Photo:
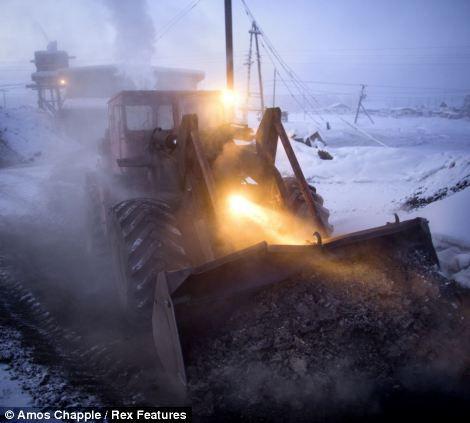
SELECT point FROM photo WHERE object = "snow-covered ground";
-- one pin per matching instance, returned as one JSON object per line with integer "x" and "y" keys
{"x": 365, "y": 183}
{"x": 30, "y": 133}
{"x": 39, "y": 187}
{"x": 11, "y": 391}
{"x": 429, "y": 132}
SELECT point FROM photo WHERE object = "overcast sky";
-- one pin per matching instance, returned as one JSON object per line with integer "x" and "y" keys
{"x": 403, "y": 43}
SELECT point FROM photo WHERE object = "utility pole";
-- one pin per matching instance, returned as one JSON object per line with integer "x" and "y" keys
{"x": 257, "y": 32}
{"x": 229, "y": 43}
{"x": 360, "y": 106}
{"x": 359, "y": 103}
{"x": 248, "y": 63}
{"x": 254, "y": 32}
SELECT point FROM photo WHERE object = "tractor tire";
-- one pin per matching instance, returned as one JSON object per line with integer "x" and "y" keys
{"x": 96, "y": 245}
{"x": 297, "y": 204}
{"x": 144, "y": 241}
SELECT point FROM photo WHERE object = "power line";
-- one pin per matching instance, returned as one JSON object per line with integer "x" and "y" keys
{"x": 404, "y": 55}
{"x": 307, "y": 112}
{"x": 366, "y": 63}
{"x": 302, "y": 89}
{"x": 462, "y": 46}
{"x": 173, "y": 21}
{"x": 354, "y": 84}
{"x": 296, "y": 80}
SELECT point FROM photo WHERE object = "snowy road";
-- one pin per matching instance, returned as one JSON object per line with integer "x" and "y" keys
{"x": 363, "y": 186}
{"x": 11, "y": 392}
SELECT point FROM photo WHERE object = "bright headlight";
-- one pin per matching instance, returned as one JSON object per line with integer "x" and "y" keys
{"x": 229, "y": 98}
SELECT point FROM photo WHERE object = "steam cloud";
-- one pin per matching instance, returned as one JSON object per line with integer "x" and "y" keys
{"x": 135, "y": 32}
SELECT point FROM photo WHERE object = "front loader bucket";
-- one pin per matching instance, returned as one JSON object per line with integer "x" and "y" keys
{"x": 184, "y": 298}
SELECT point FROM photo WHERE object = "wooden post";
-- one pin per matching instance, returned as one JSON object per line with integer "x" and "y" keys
{"x": 248, "y": 79}
{"x": 258, "y": 59}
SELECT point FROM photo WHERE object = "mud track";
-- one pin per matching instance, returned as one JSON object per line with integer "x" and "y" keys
{"x": 364, "y": 340}
{"x": 67, "y": 351}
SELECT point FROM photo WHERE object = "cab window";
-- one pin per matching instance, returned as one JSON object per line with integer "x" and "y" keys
{"x": 139, "y": 118}
{"x": 165, "y": 116}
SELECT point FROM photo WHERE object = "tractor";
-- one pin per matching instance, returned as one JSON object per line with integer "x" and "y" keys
{"x": 196, "y": 214}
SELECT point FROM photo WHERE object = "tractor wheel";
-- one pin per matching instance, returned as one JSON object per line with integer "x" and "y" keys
{"x": 145, "y": 241}
{"x": 297, "y": 204}
{"x": 96, "y": 243}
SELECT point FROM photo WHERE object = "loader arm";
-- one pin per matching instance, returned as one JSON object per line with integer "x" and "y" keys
{"x": 270, "y": 130}
{"x": 267, "y": 136}
{"x": 189, "y": 141}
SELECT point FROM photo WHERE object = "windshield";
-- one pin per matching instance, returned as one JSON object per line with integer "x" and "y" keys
{"x": 208, "y": 109}
{"x": 147, "y": 117}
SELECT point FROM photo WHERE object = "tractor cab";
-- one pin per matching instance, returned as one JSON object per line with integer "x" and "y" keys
{"x": 137, "y": 117}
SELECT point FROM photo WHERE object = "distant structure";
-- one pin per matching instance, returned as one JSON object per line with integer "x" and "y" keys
{"x": 104, "y": 81}
{"x": 45, "y": 80}
{"x": 78, "y": 95}
{"x": 339, "y": 108}
{"x": 88, "y": 89}
{"x": 55, "y": 81}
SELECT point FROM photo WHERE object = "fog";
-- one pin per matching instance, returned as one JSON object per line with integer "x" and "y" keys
{"x": 419, "y": 44}
{"x": 52, "y": 216}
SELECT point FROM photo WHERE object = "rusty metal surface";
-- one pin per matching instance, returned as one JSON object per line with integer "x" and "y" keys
{"x": 165, "y": 332}
{"x": 202, "y": 160}
{"x": 261, "y": 264}
{"x": 300, "y": 177}
{"x": 266, "y": 135}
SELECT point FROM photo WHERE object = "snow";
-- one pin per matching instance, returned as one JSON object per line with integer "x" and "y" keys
{"x": 449, "y": 217}
{"x": 11, "y": 392}
{"x": 362, "y": 182}
{"x": 48, "y": 177}
{"x": 86, "y": 103}
{"x": 449, "y": 223}
{"x": 431, "y": 132}
{"x": 30, "y": 132}
{"x": 363, "y": 185}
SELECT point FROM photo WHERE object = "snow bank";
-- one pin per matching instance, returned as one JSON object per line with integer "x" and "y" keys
{"x": 449, "y": 217}
{"x": 432, "y": 132}
{"x": 377, "y": 178}
{"x": 49, "y": 186}
{"x": 450, "y": 225}
{"x": 363, "y": 186}
{"x": 378, "y": 164}
{"x": 10, "y": 390}
{"x": 29, "y": 133}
